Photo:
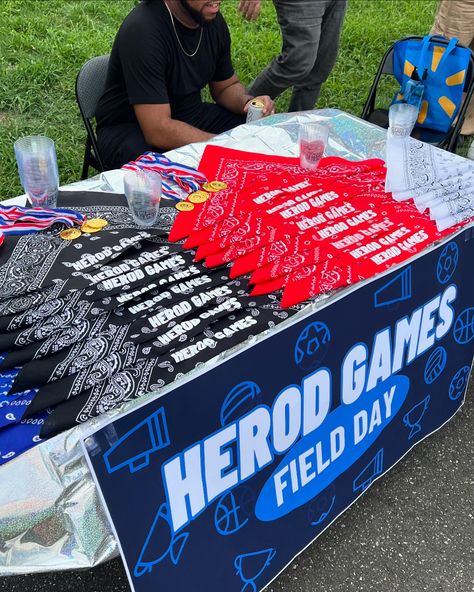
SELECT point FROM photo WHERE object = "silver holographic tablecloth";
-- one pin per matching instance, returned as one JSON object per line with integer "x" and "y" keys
{"x": 51, "y": 517}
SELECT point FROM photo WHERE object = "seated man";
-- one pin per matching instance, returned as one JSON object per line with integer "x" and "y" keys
{"x": 165, "y": 53}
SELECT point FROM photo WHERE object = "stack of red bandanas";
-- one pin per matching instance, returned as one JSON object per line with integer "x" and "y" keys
{"x": 303, "y": 232}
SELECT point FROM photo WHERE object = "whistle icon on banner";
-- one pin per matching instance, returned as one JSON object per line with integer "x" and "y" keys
{"x": 136, "y": 446}
{"x": 368, "y": 474}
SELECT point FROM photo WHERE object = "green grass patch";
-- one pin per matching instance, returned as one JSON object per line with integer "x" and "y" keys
{"x": 43, "y": 44}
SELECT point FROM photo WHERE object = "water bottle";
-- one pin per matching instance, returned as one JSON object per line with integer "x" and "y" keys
{"x": 414, "y": 89}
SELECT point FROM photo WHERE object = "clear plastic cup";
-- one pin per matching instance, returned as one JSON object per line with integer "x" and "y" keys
{"x": 401, "y": 119}
{"x": 313, "y": 139}
{"x": 143, "y": 193}
{"x": 38, "y": 169}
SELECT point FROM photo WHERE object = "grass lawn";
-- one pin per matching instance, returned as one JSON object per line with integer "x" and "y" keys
{"x": 43, "y": 44}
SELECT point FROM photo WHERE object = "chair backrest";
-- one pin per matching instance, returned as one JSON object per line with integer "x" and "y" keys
{"x": 386, "y": 67}
{"x": 90, "y": 84}
{"x": 386, "y": 64}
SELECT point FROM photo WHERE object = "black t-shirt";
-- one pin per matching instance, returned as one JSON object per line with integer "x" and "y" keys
{"x": 148, "y": 66}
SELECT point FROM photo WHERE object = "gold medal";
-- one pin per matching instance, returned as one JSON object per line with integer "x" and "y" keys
{"x": 198, "y": 197}
{"x": 96, "y": 223}
{"x": 89, "y": 229}
{"x": 218, "y": 185}
{"x": 214, "y": 186}
{"x": 209, "y": 187}
{"x": 184, "y": 206}
{"x": 70, "y": 233}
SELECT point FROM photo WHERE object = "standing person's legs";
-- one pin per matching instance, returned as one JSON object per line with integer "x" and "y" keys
{"x": 300, "y": 23}
{"x": 455, "y": 18}
{"x": 306, "y": 94}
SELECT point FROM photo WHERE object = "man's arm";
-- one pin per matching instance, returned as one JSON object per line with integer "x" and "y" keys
{"x": 162, "y": 131}
{"x": 232, "y": 95}
{"x": 250, "y": 9}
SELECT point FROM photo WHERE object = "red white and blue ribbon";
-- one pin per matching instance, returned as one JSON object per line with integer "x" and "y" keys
{"x": 187, "y": 178}
{"x": 22, "y": 220}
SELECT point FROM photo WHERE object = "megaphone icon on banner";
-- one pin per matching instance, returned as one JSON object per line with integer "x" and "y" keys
{"x": 134, "y": 448}
{"x": 368, "y": 474}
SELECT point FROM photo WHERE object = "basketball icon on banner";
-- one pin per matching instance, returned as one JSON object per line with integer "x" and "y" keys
{"x": 233, "y": 510}
{"x": 312, "y": 345}
{"x": 463, "y": 330}
{"x": 447, "y": 262}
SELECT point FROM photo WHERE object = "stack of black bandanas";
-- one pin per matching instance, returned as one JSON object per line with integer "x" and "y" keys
{"x": 89, "y": 324}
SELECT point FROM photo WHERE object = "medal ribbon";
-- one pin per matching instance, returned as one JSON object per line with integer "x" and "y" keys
{"x": 23, "y": 220}
{"x": 187, "y": 178}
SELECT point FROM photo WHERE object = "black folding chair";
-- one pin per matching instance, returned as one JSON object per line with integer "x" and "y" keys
{"x": 90, "y": 84}
{"x": 447, "y": 140}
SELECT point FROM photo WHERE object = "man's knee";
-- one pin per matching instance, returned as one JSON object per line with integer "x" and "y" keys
{"x": 296, "y": 66}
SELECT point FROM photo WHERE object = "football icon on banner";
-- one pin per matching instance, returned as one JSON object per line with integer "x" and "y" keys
{"x": 312, "y": 345}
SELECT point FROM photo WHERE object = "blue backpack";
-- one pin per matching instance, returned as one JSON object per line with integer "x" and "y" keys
{"x": 441, "y": 68}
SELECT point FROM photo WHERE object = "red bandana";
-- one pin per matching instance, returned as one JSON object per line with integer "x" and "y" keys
{"x": 303, "y": 232}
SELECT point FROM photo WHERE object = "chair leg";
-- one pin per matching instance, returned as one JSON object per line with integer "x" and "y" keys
{"x": 87, "y": 157}
{"x": 85, "y": 170}
{"x": 453, "y": 144}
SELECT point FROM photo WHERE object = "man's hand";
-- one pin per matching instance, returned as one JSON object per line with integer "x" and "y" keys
{"x": 269, "y": 106}
{"x": 250, "y": 9}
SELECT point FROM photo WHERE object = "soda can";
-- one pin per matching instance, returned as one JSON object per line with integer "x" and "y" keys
{"x": 255, "y": 110}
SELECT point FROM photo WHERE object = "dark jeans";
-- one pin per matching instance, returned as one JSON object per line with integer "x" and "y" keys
{"x": 310, "y": 31}
{"x": 119, "y": 144}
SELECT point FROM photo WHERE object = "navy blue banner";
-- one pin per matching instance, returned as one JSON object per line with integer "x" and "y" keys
{"x": 218, "y": 484}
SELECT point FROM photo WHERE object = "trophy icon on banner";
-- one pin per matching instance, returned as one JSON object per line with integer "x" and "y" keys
{"x": 250, "y": 566}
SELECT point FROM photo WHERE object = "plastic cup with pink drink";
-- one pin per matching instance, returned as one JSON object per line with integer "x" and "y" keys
{"x": 313, "y": 139}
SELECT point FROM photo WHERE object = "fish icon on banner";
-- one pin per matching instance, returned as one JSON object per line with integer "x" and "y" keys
{"x": 412, "y": 419}
{"x": 160, "y": 543}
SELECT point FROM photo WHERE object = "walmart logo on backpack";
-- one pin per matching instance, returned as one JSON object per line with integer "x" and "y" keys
{"x": 441, "y": 67}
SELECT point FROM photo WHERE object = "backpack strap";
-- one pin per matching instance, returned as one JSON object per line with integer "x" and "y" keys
{"x": 427, "y": 40}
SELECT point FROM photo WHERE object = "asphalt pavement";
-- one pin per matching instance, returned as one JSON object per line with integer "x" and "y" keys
{"x": 412, "y": 531}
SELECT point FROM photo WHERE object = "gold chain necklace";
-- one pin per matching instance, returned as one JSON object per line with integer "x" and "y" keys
{"x": 190, "y": 55}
